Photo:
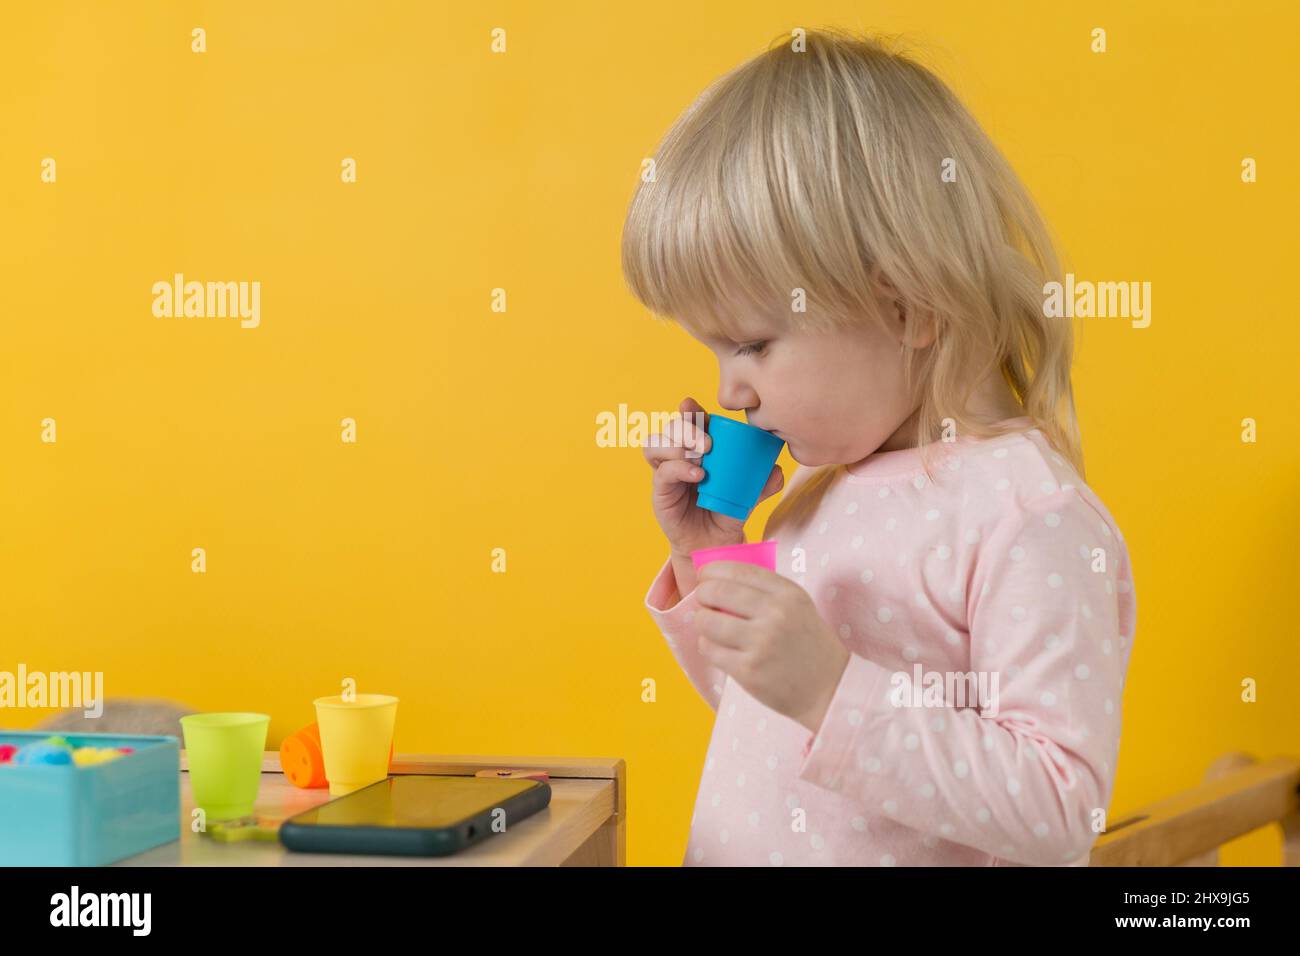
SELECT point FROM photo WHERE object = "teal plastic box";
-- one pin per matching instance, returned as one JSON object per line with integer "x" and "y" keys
{"x": 93, "y": 815}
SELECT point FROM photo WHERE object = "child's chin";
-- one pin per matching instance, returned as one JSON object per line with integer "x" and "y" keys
{"x": 805, "y": 457}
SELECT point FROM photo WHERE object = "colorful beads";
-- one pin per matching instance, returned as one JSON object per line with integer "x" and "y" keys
{"x": 56, "y": 751}
{"x": 43, "y": 752}
{"x": 87, "y": 756}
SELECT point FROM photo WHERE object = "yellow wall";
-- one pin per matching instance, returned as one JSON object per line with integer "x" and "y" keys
{"x": 476, "y": 429}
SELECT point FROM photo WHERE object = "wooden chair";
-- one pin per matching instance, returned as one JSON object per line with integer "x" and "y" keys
{"x": 1239, "y": 795}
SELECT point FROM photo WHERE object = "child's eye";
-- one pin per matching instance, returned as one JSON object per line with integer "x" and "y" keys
{"x": 754, "y": 348}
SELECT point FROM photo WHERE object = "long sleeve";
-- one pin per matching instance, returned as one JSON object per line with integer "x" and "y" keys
{"x": 675, "y": 622}
{"x": 1029, "y": 777}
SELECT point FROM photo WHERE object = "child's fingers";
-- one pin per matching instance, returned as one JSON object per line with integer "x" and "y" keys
{"x": 697, "y": 441}
{"x": 691, "y": 405}
{"x": 774, "y": 482}
{"x": 671, "y": 474}
{"x": 665, "y": 445}
{"x": 681, "y": 439}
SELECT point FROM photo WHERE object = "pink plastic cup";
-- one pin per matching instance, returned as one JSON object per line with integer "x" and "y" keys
{"x": 762, "y": 553}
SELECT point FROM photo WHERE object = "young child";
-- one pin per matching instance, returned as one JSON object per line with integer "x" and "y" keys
{"x": 831, "y": 222}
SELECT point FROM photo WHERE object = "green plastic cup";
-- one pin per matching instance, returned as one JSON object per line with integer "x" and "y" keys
{"x": 356, "y": 737}
{"x": 225, "y": 761}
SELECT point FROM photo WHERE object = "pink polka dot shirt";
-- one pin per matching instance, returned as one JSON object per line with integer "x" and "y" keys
{"x": 989, "y": 615}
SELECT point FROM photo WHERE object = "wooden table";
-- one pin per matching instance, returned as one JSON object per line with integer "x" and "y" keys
{"x": 584, "y": 825}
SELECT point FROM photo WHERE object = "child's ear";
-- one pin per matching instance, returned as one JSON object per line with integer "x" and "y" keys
{"x": 924, "y": 330}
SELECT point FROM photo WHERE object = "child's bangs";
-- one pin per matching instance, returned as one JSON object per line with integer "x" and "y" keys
{"x": 707, "y": 243}
{"x": 687, "y": 258}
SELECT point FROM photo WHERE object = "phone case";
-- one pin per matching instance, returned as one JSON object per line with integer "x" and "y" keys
{"x": 410, "y": 841}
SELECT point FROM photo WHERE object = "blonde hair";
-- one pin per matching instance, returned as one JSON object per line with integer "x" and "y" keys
{"x": 821, "y": 171}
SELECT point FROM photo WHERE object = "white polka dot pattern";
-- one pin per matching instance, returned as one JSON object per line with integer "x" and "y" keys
{"x": 986, "y": 577}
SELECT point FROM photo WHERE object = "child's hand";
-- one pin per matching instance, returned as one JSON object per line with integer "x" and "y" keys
{"x": 764, "y": 630}
{"x": 674, "y": 456}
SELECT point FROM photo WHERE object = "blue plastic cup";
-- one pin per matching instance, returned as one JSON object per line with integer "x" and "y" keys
{"x": 736, "y": 467}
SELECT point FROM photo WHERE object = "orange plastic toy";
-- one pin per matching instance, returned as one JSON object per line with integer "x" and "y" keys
{"x": 302, "y": 761}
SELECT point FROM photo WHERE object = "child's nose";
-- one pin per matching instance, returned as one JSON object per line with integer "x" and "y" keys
{"x": 736, "y": 396}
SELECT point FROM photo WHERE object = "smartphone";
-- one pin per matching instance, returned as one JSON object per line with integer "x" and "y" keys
{"x": 415, "y": 815}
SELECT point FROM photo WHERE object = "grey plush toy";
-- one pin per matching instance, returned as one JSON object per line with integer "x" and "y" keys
{"x": 123, "y": 715}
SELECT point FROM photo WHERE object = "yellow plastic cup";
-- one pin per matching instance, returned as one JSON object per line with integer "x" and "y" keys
{"x": 225, "y": 761}
{"x": 355, "y": 737}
